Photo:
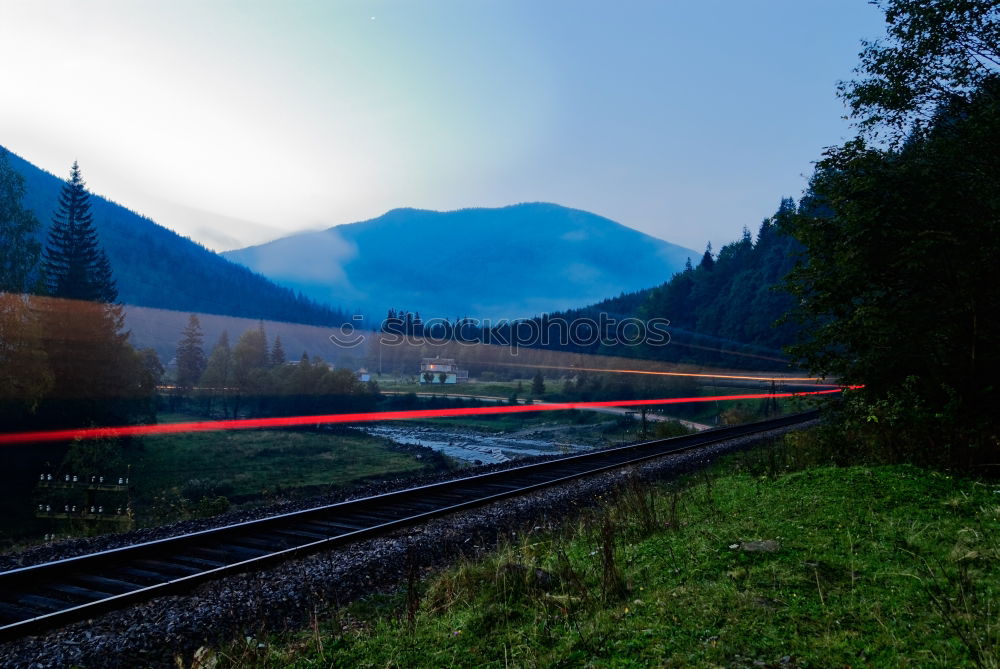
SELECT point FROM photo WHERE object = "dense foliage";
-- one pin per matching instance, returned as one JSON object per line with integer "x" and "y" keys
{"x": 901, "y": 291}
{"x": 253, "y": 379}
{"x": 935, "y": 50}
{"x": 19, "y": 250}
{"x": 726, "y": 310}
{"x": 24, "y": 374}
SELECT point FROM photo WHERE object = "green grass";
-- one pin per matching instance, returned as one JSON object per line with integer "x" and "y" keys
{"x": 179, "y": 476}
{"x": 886, "y": 567}
{"x": 253, "y": 461}
{"x": 484, "y": 388}
{"x": 244, "y": 464}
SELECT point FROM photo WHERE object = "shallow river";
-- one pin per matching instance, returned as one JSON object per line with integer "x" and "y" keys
{"x": 471, "y": 446}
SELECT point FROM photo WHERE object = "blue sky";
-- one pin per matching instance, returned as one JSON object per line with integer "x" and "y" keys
{"x": 237, "y": 122}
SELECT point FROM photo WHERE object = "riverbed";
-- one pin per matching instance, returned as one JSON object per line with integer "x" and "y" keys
{"x": 472, "y": 446}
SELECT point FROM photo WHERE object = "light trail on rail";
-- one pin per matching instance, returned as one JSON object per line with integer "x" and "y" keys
{"x": 367, "y": 417}
{"x": 775, "y": 379}
{"x": 757, "y": 356}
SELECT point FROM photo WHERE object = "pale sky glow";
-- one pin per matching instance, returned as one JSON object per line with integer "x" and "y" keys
{"x": 237, "y": 122}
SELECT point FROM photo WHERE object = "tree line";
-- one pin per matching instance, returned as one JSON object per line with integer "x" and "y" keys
{"x": 254, "y": 378}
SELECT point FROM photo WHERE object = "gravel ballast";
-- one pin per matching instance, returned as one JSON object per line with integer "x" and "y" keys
{"x": 284, "y": 596}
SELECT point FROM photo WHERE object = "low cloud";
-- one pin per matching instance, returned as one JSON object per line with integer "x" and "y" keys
{"x": 313, "y": 258}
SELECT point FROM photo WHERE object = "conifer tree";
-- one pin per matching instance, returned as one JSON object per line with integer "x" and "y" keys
{"x": 277, "y": 352}
{"x": 538, "y": 384}
{"x": 218, "y": 372}
{"x": 97, "y": 375}
{"x": 191, "y": 360}
{"x": 75, "y": 265}
{"x": 707, "y": 261}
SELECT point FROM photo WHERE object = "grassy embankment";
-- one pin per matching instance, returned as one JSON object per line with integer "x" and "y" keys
{"x": 753, "y": 565}
{"x": 172, "y": 474}
{"x": 179, "y": 476}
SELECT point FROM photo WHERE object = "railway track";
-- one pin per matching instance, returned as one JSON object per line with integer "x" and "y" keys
{"x": 56, "y": 593}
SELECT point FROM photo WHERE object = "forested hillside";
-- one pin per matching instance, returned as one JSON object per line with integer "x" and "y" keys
{"x": 722, "y": 311}
{"x": 156, "y": 267}
{"x": 726, "y": 310}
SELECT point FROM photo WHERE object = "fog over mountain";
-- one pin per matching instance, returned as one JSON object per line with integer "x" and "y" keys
{"x": 507, "y": 262}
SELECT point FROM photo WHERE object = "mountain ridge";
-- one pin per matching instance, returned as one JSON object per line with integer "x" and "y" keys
{"x": 463, "y": 262}
{"x": 157, "y": 267}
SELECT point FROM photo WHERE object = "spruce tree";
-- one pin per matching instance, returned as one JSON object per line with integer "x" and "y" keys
{"x": 190, "y": 355}
{"x": 75, "y": 265}
{"x": 277, "y": 353}
{"x": 707, "y": 261}
{"x": 538, "y": 384}
{"x": 97, "y": 375}
{"x": 218, "y": 373}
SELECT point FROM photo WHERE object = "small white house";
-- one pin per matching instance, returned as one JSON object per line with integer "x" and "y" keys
{"x": 442, "y": 370}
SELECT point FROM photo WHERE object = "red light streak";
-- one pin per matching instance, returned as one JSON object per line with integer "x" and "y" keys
{"x": 331, "y": 419}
